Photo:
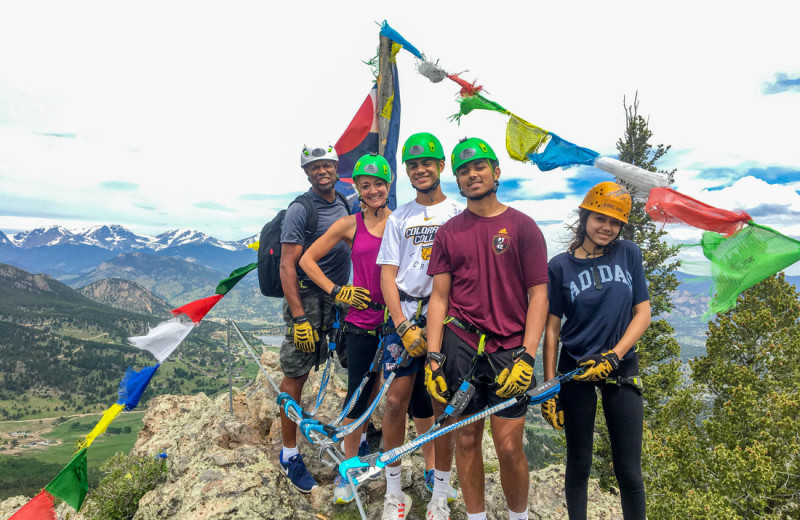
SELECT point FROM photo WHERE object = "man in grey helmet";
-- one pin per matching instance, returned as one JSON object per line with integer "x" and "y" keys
{"x": 307, "y": 311}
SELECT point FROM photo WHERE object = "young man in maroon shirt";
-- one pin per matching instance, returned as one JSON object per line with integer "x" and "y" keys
{"x": 489, "y": 268}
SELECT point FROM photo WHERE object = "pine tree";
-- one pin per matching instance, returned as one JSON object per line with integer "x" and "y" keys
{"x": 728, "y": 445}
{"x": 658, "y": 350}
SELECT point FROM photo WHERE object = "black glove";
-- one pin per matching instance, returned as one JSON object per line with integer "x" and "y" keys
{"x": 516, "y": 378}
{"x": 597, "y": 366}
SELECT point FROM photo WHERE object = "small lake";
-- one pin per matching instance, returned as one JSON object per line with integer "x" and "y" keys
{"x": 272, "y": 341}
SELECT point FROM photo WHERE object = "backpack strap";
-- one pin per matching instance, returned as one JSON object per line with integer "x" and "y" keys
{"x": 311, "y": 210}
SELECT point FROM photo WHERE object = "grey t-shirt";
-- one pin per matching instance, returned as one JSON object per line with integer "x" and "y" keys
{"x": 336, "y": 264}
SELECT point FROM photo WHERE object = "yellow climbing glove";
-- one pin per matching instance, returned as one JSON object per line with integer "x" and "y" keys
{"x": 414, "y": 339}
{"x": 434, "y": 379}
{"x": 305, "y": 337}
{"x": 516, "y": 378}
{"x": 597, "y": 366}
{"x": 353, "y": 296}
{"x": 553, "y": 413}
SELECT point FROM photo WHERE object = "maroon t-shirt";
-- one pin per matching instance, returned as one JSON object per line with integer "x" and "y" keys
{"x": 493, "y": 262}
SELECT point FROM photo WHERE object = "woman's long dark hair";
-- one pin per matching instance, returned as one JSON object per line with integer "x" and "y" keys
{"x": 578, "y": 229}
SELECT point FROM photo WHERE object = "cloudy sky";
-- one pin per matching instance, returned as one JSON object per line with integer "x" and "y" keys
{"x": 163, "y": 115}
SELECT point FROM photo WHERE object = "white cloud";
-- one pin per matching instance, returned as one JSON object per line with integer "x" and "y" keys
{"x": 196, "y": 101}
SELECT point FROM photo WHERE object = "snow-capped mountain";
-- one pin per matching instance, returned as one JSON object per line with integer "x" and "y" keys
{"x": 182, "y": 237}
{"x": 117, "y": 238}
{"x": 59, "y": 251}
{"x": 46, "y": 236}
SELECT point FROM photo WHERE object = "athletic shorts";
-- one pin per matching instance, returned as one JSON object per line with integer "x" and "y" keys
{"x": 456, "y": 365}
{"x": 319, "y": 308}
{"x": 394, "y": 347}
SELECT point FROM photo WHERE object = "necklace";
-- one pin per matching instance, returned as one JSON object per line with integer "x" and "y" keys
{"x": 591, "y": 255}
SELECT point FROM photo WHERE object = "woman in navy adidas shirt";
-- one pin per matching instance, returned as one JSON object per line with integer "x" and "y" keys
{"x": 598, "y": 288}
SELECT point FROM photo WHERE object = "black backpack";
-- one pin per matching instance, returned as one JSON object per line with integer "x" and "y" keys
{"x": 269, "y": 244}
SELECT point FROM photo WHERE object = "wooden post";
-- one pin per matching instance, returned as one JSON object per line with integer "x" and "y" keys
{"x": 385, "y": 89}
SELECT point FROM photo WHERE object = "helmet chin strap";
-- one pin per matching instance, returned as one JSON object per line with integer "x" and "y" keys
{"x": 433, "y": 186}
{"x": 482, "y": 195}
{"x": 385, "y": 203}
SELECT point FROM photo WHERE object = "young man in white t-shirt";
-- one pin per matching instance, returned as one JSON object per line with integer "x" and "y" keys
{"x": 404, "y": 256}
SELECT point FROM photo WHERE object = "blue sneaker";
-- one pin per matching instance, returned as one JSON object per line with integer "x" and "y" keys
{"x": 363, "y": 449}
{"x": 452, "y": 493}
{"x": 298, "y": 474}
{"x": 343, "y": 492}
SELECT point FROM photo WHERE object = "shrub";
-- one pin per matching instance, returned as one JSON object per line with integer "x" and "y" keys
{"x": 127, "y": 478}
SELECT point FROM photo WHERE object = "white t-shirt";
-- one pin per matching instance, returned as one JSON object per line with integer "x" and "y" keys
{"x": 407, "y": 242}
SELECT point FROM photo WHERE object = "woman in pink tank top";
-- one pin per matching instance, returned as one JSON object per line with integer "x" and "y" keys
{"x": 362, "y": 232}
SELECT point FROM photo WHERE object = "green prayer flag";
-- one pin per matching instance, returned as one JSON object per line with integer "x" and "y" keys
{"x": 476, "y": 102}
{"x": 744, "y": 259}
{"x": 72, "y": 483}
{"x": 227, "y": 284}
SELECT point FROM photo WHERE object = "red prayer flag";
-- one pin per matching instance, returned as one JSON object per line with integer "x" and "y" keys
{"x": 196, "y": 310}
{"x": 40, "y": 507}
{"x": 670, "y": 207}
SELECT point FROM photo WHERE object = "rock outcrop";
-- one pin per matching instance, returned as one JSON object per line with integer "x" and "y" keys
{"x": 225, "y": 467}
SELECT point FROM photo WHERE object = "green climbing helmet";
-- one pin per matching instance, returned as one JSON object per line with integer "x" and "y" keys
{"x": 470, "y": 149}
{"x": 423, "y": 145}
{"x": 373, "y": 165}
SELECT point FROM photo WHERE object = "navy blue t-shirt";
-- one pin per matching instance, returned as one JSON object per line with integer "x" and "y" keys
{"x": 596, "y": 319}
{"x": 336, "y": 264}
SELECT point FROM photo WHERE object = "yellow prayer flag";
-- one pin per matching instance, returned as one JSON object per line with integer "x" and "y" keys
{"x": 254, "y": 245}
{"x": 523, "y": 138}
{"x": 101, "y": 426}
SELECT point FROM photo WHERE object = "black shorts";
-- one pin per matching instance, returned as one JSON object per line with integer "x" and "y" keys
{"x": 456, "y": 365}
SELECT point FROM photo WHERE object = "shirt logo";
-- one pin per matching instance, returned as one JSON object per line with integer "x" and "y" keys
{"x": 501, "y": 242}
{"x": 426, "y": 253}
{"x": 421, "y": 234}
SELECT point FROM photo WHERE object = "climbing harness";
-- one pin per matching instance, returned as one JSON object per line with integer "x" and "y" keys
{"x": 357, "y": 470}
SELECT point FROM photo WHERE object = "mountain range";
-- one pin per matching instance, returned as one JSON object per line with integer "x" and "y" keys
{"x": 177, "y": 266}
{"x": 60, "y": 252}
{"x": 183, "y": 265}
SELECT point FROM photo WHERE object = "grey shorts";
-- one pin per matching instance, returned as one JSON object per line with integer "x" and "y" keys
{"x": 319, "y": 308}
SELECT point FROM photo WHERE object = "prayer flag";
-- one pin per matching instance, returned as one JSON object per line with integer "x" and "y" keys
{"x": 744, "y": 259}
{"x": 102, "y": 424}
{"x": 133, "y": 385}
{"x": 237, "y": 274}
{"x": 560, "y": 153}
{"x": 164, "y": 338}
{"x": 40, "y": 507}
{"x": 71, "y": 484}
{"x": 393, "y": 35}
{"x": 197, "y": 309}
{"x": 640, "y": 180}
{"x": 476, "y": 102}
{"x": 523, "y": 138}
{"x": 671, "y": 207}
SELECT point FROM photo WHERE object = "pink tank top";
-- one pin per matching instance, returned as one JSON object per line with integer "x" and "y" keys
{"x": 367, "y": 274}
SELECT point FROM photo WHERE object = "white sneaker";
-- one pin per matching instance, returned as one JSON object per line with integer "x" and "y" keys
{"x": 396, "y": 508}
{"x": 438, "y": 510}
{"x": 452, "y": 493}
{"x": 343, "y": 492}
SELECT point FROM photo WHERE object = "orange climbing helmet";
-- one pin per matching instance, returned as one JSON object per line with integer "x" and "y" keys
{"x": 609, "y": 198}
